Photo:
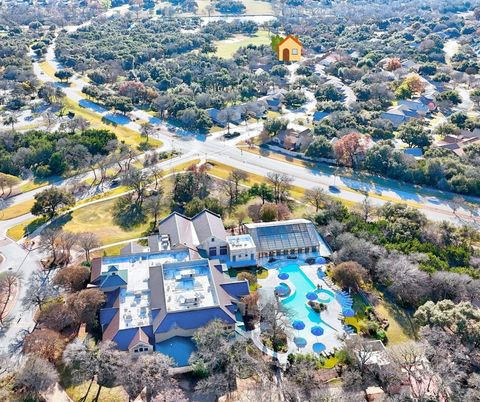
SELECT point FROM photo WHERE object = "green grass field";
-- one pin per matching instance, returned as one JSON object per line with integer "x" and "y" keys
{"x": 98, "y": 218}
{"x": 227, "y": 48}
{"x": 16, "y": 210}
{"x": 252, "y": 7}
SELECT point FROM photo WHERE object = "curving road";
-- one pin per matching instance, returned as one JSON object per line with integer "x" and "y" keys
{"x": 435, "y": 204}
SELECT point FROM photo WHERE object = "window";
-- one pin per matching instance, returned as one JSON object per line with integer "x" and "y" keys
{"x": 212, "y": 251}
{"x": 223, "y": 250}
{"x": 295, "y": 51}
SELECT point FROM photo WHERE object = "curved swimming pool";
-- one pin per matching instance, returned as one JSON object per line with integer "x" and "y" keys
{"x": 297, "y": 302}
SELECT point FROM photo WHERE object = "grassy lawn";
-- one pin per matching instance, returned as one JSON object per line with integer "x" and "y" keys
{"x": 252, "y": 7}
{"x": 47, "y": 68}
{"x": 76, "y": 392}
{"x": 215, "y": 129}
{"x": 256, "y": 7}
{"x": 271, "y": 114}
{"x": 98, "y": 218}
{"x": 31, "y": 185}
{"x": 129, "y": 136}
{"x": 400, "y": 329}
{"x": 108, "y": 251}
{"x": 20, "y": 230}
{"x": 16, "y": 210}
{"x": 227, "y": 48}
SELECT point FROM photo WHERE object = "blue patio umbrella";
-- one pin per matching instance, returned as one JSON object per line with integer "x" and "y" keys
{"x": 318, "y": 347}
{"x": 300, "y": 342}
{"x": 348, "y": 312}
{"x": 317, "y": 330}
{"x": 298, "y": 325}
{"x": 321, "y": 260}
{"x": 312, "y": 296}
{"x": 283, "y": 276}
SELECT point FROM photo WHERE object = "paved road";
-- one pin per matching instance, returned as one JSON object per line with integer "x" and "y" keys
{"x": 435, "y": 204}
{"x": 24, "y": 262}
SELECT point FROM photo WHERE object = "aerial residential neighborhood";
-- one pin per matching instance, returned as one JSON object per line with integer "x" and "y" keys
{"x": 240, "y": 200}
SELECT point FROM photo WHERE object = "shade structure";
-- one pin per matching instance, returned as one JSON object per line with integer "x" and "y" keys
{"x": 298, "y": 325}
{"x": 318, "y": 347}
{"x": 300, "y": 342}
{"x": 283, "y": 276}
{"x": 348, "y": 312}
{"x": 317, "y": 331}
{"x": 312, "y": 296}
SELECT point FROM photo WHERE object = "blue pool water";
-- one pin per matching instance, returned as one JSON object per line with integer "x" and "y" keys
{"x": 179, "y": 348}
{"x": 297, "y": 301}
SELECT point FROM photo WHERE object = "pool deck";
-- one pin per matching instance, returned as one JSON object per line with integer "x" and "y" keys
{"x": 330, "y": 318}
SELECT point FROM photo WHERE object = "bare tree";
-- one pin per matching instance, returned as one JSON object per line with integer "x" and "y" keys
{"x": 73, "y": 278}
{"x": 150, "y": 373}
{"x": 157, "y": 174}
{"x": 65, "y": 242}
{"x": 39, "y": 290}
{"x": 146, "y": 130}
{"x": 366, "y": 208}
{"x": 281, "y": 184}
{"x": 315, "y": 196}
{"x": 88, "y": 241}
{"x": 137, "y": 180}
{"x": 49, "y": 242}
{"x": 274, "y": 320}
{"x": 153, "y": 205}
{"x": 9, "y": 281}
{"x": 224, "y": 358}
{"x": 88, "y": 361}
{"x": 35, "y": 376}
{"x": 237, "y": 176}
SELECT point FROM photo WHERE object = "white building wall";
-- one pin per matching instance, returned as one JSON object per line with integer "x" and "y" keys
{"x": 243, "y": 254}
{"x": 212, "y": 242}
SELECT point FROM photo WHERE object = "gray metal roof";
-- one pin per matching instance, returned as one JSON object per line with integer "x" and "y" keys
{"x": 207, "y": 224}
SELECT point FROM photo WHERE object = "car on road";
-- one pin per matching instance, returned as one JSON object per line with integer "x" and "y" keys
{"x": 114, "y": 182}
{"x": 231, "y": 135}
{"x": 333, "y": 189}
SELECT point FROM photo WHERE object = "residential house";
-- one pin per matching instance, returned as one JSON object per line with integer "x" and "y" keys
{"x": 223, "y": 117}
{"x": 273, "y": 102}
{"x": 405, "y": 111}
{"x": 290, "y": 49}
{"x": 255, "y": 109}
{"x": 293, "y": 140}
{"x": 457, "y": 143}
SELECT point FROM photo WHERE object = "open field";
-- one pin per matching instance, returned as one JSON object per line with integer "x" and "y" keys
{"x": 253, "y": 7}
{"x": 400, "y": 329}
{"x": 129, "y": 136}
{"x": 16, "y": 210}
{"x": 98, "y": 218}
{"x": 227, "y": 48}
